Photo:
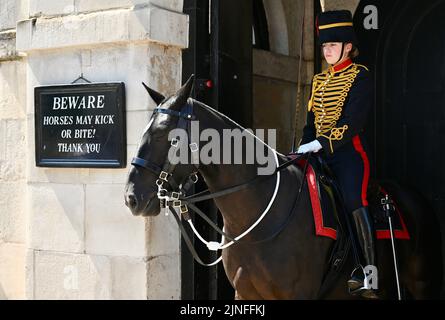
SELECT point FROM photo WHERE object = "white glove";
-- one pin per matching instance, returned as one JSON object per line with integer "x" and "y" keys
{"x": 313, "y": 146}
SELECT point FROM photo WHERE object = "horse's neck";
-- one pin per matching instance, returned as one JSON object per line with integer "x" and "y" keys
{"x": 220, "y": 176}
{"x": 239, "y": 209}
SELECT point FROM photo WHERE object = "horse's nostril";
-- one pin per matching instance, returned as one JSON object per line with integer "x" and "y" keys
{"x": 131, "y": 201}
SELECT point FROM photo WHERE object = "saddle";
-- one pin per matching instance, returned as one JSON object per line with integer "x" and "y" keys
{"x": 330, "y": 215}
{"x": 328, "y": 209}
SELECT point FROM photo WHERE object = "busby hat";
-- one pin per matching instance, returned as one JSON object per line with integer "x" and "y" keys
{"x": 335, "y": 26}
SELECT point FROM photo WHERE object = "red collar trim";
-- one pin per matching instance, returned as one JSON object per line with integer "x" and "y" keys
{"x": 341, "y": 66}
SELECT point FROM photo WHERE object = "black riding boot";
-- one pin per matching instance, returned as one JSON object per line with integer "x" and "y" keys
{"x": 365, "y": 235}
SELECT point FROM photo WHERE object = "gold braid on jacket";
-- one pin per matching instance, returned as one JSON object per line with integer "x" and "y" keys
{"x": 329, "y": 93}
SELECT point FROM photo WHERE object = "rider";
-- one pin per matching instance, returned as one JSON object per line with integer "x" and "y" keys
{"x": 341, "y": 99}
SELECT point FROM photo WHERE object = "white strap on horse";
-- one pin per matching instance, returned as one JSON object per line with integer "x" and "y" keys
{"x": 215, "y": 246}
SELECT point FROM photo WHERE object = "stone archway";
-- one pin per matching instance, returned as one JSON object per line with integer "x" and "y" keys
{"x": 278, "y": 33}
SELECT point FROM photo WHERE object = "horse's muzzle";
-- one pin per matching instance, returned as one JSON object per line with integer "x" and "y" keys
{"x": 131, "y": 201}
{"x": 138, "y": 208}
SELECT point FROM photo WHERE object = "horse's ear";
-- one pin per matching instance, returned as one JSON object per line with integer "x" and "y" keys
{"x": 156, "y": 96}
{"x": 183, "y": 94}
{"x": 186, "y": 90}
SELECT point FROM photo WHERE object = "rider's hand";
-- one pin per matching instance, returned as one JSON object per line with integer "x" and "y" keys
{"x": 313, "y": 146}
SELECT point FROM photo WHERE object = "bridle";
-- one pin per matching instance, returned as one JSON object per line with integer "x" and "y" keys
{"x": 177, "y": 199}
{"x": 165, "y": 173}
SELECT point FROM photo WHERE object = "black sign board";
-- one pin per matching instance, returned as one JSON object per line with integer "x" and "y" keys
{"x": 81, "y": 126}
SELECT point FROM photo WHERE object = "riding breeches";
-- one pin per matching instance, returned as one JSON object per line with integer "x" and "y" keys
{"x": 351, "y": 168}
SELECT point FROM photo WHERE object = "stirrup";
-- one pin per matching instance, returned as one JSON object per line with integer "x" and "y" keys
{"x": 365, "y": 293}
{"x": 356, "y": 285}
{"x": 356, "y": 282}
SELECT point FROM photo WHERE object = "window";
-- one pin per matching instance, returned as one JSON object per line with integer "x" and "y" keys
{"x": 260, "y": 30}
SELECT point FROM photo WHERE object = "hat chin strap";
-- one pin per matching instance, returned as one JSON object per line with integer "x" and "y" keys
{"x": 341, "y": 54}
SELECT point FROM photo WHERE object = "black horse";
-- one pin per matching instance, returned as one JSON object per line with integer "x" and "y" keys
{"x": 292, "y": 264}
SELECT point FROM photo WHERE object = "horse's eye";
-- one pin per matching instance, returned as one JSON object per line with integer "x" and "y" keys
{"x": 159, "y": 138}
{"x": 158, "y": 135}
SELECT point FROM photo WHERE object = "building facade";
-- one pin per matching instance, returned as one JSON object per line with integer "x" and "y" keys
{"x": 65, "y": 233}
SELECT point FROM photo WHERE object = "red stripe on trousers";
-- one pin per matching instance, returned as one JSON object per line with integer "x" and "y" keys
{"x": 320, "y": 229}
{"x": 359, "y": 148}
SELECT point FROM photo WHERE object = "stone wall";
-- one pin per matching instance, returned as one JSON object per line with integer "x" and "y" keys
{"x": 13, "y": 148}
{"x": 350, "y": 5}
{"x": 66, "y": 233}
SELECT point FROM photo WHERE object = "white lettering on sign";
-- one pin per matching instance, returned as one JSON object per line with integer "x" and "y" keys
{"x": 104, "y": 119}
{"x": 80, "y": 124}
{"x": 84, "y": 119}
{"x": 84, "y": 133}
{"x": 64, "y": 103}
{"x": 73, "y": 101}
{"x": 83, "y": 148}
{"x": 100, "y": 102}
{"x": 56, "y": 103}
{"x": 57, "y": 120}
{"x": 70, "y": 147}
{"x": 77, "y": 102}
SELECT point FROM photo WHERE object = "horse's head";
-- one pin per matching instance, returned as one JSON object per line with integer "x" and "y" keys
{"x": 141, "y": 189}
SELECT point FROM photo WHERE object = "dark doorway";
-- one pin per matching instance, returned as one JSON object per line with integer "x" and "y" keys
{"x": 220, "y": 56}
{"x": 411, "y": 114}
{"x": 408, "y": 129}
